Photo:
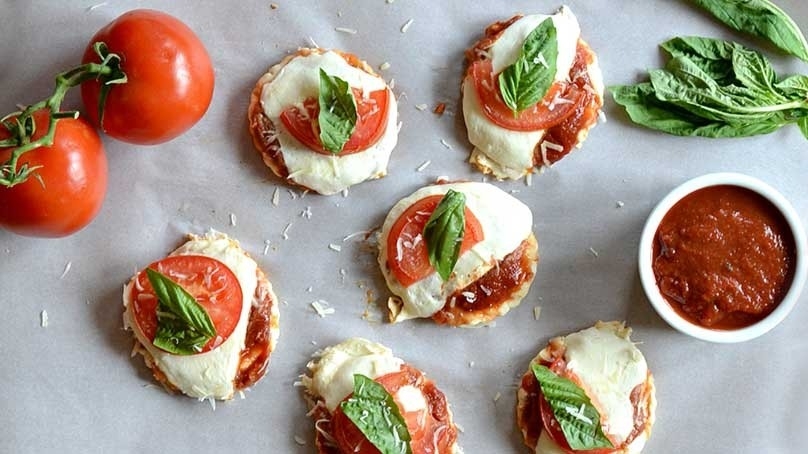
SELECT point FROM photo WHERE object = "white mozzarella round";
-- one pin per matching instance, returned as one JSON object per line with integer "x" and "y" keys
{"x": 295, "y": 80}
{"x": 210, "y": 374}
{"x": 505, "y": 222}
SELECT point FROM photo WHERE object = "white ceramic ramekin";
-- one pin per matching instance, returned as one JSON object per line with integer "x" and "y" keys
{"x": 667, "y": 312}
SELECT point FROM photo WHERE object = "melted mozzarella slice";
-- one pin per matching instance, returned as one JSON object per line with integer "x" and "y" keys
{"x": 297, "y": 79}
{"x": 333, "y": 372}
{"x": 209, "y": 374}
{"x": 509, "y": 154}
{"x": 610, "y": 366}
{"x": 505, "y": 222}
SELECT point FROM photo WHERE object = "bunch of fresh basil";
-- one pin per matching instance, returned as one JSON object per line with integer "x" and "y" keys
{"x": 717, "y": 88}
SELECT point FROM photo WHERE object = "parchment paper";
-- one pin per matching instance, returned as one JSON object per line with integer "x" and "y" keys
{"x": 71, "y": 387}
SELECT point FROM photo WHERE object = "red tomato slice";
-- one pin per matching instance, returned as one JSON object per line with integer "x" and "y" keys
{"x": 407, "y": 254}
{"x": 371, "y": 113}
{"x": 208, "y": 280}
{"x": 534, "y": 118}
{"x": 429, "y": 427}
{"x": 550, "y": 422}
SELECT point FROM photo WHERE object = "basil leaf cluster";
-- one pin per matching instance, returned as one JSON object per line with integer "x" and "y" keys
{"x": 372, "y": 409}
{"x": 715, "y": 88}
{"x": 760, "y": 18}
{"x": 183, "y": 325}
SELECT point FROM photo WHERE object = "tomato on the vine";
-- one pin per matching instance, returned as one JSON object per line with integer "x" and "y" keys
{"x": 67, "y": 189}
{"x": 169, "y": 78}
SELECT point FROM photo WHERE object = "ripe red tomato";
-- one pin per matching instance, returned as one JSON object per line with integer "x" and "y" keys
{"x": 73, "y": 181}
{"x": 534, "y": 118}
{"x": 371, "y": 113}
{"x": 210, "y": 281}
{"x": 407, "y": 254}
{"x": 169, "y": 78}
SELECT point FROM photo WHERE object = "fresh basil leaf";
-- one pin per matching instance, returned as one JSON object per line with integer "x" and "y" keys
{"x": 337, "y": 117}
{"x": 527, "y": 80}
{"x": 578, "y": 418}
{"x": 803, "y": 125}
{"x": 443, "y": 232}
{"x": 761, "y": 18}
{"x": 183, "y": 325}
{"x": 794, "y": 87}
{"x": 372, "y": 409}
{"x": 753, "y": 71}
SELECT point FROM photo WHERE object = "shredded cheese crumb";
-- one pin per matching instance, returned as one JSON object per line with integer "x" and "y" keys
{"x": 345, "y": 193}
{"x": 97, "y": 5}
{"x": 335, "y": 247}
{"x": 620, "y": 204}
{"x": 232, "y": 219}
{"x": 306, "y": 213}
{"x": 68, "y": 265}
{"x": 445, "y": 144}
{"x": 299, "y": 440}
{"x": 384, "y": 66}
{"x": 578, "y": 413}
{"x": 321, "y": 308}
{"x": 406, "y": 26}
{"x": 593, "y": 251}
{"x": 285, "y": 232}
{"x": 471, "y": 363}
{"x": 276, "y": 197}
{"x": 355, "y": 234}
{"x": 497, "y": 396}
{"x": 273, "y": 5}
{"x": 537, "y": 312}
{"x": 241, "y": 395}
{"x": 43, "y": 318}
{"x": 529, "y": 179}
{"x": 602, "y": 116}
{"x": 350, "y": 31}
{"x": 312, "y": 42}
{"x": 266, "y": 246}
{"x": 423, "y": 166}
{"x": 421, "y": 106}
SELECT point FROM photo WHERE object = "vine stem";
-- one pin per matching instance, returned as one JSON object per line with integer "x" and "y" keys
{"x": 22, "y": 126}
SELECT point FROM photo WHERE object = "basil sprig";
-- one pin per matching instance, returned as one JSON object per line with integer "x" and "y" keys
{"x": 527, "y": 80}
{"x": 443, "y": 232}
{"x": 578, "y": 418}
{"x": 183, "y": 325}
{"x": 715, "y": 88}
{"x": 372, "y": 409}
{"x": 337, "y": 117}
{"x": 761, "y": 18}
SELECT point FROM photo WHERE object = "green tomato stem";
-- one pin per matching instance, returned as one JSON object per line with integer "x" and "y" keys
{"x": 21, "y": 124}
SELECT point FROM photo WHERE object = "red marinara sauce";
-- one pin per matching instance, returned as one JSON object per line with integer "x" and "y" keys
{"x": 724, "y": 257}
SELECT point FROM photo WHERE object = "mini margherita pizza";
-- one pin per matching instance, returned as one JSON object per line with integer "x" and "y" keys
{"x": 323, "y": 120}
{"x": 531, "y": 93}
{"x": 205, "y": 318}
{"x": 364, "y": 400}
{"x": 589, "y": 392}
{"x": 461, "y": 253}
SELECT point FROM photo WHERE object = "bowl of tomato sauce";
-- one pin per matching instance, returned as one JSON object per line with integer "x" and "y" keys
{"x": 723, "y": 257}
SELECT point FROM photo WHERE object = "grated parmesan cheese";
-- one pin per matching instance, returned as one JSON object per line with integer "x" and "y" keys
{"x": 68, "y": 265}
{"x": 97, "y": 5}
{"x": 620, "y": 204}
{"x": 321, "y": 307}
{"x": 445, "y": 144}
{"x": 537, "y": 312}
{"x": 266, "y": 246}
{"x": 232, "y": 219}
{"x": 285, "y": 232}
{"x": 299, "y": 440}
{"x": 497, "y": 396}
{"x": 306, "y": 213}
{"x": 350, "y": 31}
{"x": 312, "y": 42}
{"x": 43, "y": 318}
{"x": 421, "y": 106}
{"x": 335, "y": 247}
{"x": 384, "y": 66}
{"x": 276, "y": 197}
{"x": 406, "y": 26}
{"x": 529, "y": 179}
{"x": 593, "y": 251}
{"x": 423, "y": 166}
